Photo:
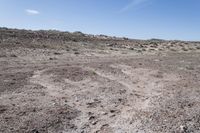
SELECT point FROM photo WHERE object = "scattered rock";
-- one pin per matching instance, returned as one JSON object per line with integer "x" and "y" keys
{"x": 183, "y": 129}
{"x": 2, "y": 109}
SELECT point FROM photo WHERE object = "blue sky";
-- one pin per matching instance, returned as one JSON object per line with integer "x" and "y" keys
{"x": 139, "y": 19}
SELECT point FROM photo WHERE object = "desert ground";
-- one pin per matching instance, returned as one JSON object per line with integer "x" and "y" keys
{"x": 62, "y": 82}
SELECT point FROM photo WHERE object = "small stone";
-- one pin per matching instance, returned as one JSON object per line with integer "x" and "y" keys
{"x": 112, "y": 111}
{"x": 94, "y": 123}
{"x": 34, "y": 131}
{"x": 183, "y": 129}
{"x": 92, "y": 118}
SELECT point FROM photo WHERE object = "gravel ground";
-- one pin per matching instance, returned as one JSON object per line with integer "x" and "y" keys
{"x": 92, "y": 85}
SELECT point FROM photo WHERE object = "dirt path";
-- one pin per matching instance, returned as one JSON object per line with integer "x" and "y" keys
{"x": 108, "y": 97}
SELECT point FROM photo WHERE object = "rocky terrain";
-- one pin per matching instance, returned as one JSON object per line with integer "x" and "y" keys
{"x": 62, "y": 82}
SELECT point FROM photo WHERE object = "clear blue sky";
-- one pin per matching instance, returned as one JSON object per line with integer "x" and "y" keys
{"x": 140, "y": 19}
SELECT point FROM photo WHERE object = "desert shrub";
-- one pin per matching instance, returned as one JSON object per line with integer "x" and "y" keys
{"x": 184, "y": 49}
{"x": 125, "y": 38}
{"x": 74, "y": 40}
{"x": 151, "y": 49}
{"x": 143, "y": 49}
{"x": 198, "y": 47}
{"x": 190, "y": 48}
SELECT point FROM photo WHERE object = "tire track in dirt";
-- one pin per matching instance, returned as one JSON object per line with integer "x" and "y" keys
{"x": 107, "y": 100}
{"x": 44, "y": 80}
{"x": 141, "y": 100}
